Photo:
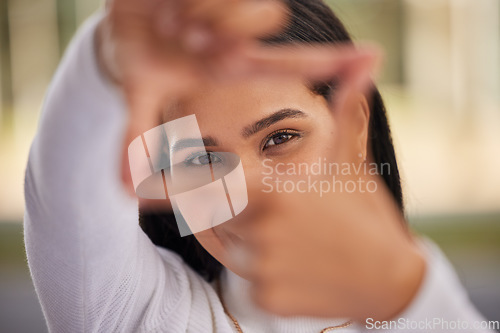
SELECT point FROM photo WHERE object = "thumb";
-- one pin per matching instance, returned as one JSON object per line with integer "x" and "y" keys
{"x": 350, "y": 100}
{"x": 355, "y": 77}
{"x": 144, "y": 108}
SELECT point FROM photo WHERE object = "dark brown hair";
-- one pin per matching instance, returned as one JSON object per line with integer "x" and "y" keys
{"x": 311, "y": 21}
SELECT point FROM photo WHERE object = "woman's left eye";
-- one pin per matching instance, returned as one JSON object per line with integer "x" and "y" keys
{"x": 279, "y": 138}
{"x": 203, "y": 159}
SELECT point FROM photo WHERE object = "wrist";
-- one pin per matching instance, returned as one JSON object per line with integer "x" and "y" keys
{"x": 405, "y": 281}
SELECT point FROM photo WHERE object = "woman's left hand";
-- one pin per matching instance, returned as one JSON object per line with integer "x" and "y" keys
{"x": 341, "y": 254}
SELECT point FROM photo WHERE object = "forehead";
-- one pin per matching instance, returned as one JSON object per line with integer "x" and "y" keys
{"x": 243, "y": 101}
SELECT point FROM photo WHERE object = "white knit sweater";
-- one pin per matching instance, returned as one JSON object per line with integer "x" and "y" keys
{"x": 94, "y": 269}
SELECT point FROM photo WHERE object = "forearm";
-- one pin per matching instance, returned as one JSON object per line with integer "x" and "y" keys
{"x": 440, "y": 303}
{"x": 84, "y": 246}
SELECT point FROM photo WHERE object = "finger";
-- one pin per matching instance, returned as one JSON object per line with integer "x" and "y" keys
{"x": 236, "y": 14}
{"x": 148, "y": 91}
{"x": 288, "y": 299}
{"x": 143, "y": 115}
{"x": 223, "y": 24}
{"x": 206, "y": 12}
{"x": 142, "y": 8}
{"x": 198, "y": 9}
{"x": 147, "y": 94}
{"x": 311, "y": 62}
{"x": 355, "y": 78}
{"x": 350, "y": 103}
{"x": 253, "y": 19}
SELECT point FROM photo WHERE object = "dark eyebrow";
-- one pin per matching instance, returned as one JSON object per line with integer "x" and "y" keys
{"x": 192, "y": 142}
{"x": 271, "y": 119}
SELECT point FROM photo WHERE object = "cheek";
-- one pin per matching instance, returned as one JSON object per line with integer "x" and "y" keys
{"x": 323, "y": 139}
{"x": 319, "y": 143}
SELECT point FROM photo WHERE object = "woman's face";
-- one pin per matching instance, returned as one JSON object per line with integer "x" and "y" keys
{"x": 260, "y": 120}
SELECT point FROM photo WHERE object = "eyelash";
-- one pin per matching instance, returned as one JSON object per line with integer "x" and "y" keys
{"x": 188, "y": 161}
{"x": 292, "y": 133}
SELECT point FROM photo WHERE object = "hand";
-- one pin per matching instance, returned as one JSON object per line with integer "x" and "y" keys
{"x": 344, "y": 254}
{"x": 160, "y": 50}
{"x": 157, "y": 50}
{"x": 345, "y": 260}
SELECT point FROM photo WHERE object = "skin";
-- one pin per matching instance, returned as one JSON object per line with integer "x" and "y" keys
{"x": 224, "y": 111}
{"x": 277, "y": 264}
{"x": 339, "y": 255}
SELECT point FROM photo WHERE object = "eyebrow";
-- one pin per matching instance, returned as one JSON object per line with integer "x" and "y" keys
{"x": 248, "y": 131}
{"x": 194, "y": 142}
{"x": 270, "y": 120}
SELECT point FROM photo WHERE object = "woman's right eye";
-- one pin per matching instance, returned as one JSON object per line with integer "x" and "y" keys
{"x": 279, "y": 137}
{"x": 201, "y": 159}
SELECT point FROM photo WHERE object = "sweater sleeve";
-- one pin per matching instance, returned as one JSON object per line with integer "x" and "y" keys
{"x": 93, "y": 268}
{"x": 440, "y": 305}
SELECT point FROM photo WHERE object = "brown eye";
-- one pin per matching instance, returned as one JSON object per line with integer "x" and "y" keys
{"x": 279, "y": 138}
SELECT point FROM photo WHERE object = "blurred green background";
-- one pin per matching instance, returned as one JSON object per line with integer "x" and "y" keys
{"x": 441, "y": 83}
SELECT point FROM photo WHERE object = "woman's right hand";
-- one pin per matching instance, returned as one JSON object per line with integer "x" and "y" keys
{"x": 157, "y": 50}
{"x": 160, "y": 50}
{"x": 158, "y": 47}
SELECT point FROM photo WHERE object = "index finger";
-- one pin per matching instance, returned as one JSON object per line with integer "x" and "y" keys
{"x": 316, "y": 62}
{"x": 240, "y": 18}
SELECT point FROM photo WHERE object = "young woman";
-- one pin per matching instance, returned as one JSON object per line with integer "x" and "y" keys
{"x": 341, "y": 261}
